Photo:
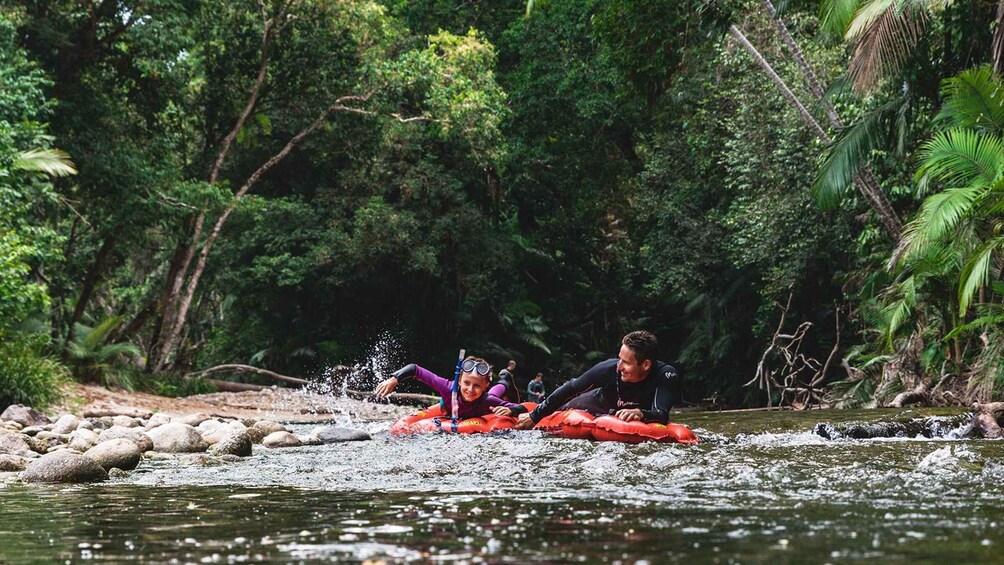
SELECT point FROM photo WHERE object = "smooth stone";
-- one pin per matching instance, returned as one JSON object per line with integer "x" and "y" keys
{"x": 158, "y": 419}
{"x": 66, "y": 424}
{"x": 309, "y": 440}
{"x": 24, "y": 415}
{"x": 191, "y": 419}
{"x": 63, "y": 467}
{"x": 280, "y": 439}
{"x": 33, "y": 430}
{"x": 116, "y": 473}
{"x": 118, "y": 453}
{"x": 333, "y": 434}
{"x": 135, "y": 435}
{"x": 13, "y": 443}
{"x": 236, "y": 442}
{"x": 263, "y": 428}
{"x": 177, "y": 438}
{"x": 125, "y": 422}
{"x": 9, "y": 463}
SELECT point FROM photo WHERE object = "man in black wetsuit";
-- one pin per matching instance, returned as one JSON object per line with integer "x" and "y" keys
{"x": 634, "y": 386}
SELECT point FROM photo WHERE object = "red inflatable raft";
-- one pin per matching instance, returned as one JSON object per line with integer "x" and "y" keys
{"x": 433, "y": 419}
{"x": 576, "y": 424}
{"x": 579, "y": 424}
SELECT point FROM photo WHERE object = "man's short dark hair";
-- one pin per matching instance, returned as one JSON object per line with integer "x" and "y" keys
{"x": 643, "y": 343}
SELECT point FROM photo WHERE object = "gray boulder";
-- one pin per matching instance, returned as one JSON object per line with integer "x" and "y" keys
{"x": 333, "y": 434}
{"x": 63, "y": 467}
{"x": 236, "y": 442}
{"x": 118, "y": 453}
{"x": 281, "y": 439}
{"x": 10, "y": 463}
{"x": 67, "y": 423}
{"x": 135, "y": 435}
{"x": 191, "y": 419}
{"x": 24, "y": 415}
{"x": 12, "y": 443}
{"x": 177, "y": 438}
{"x": 125, "y": 421}
{"x": 262, "y": 428}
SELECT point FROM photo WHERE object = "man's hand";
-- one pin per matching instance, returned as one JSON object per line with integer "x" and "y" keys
{"x": 524, "y": 422}
{"x": 629, "y": 414}
{"x": 502, "y": 411}
{"x": 385, "y": 388}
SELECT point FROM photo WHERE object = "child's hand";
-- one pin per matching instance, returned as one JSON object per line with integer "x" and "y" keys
{"x": 385, "y": 388}
{"x": 502, "y": 411}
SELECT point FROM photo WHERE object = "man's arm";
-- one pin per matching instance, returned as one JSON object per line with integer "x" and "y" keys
{"x": 667, "y": 395}
{"x": 599, "y": 375}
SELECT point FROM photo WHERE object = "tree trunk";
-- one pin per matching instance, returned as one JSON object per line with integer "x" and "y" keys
{"x": 90, "y": 282}
{"x": 865, "y": 181}
{"x": 998, "y": 43}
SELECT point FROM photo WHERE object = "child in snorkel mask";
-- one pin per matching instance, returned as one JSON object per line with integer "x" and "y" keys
{"x": 476, "y": 395}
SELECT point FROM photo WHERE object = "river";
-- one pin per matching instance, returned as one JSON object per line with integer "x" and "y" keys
{"x": 762, "y": 487}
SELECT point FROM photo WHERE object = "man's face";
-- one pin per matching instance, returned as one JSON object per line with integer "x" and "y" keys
{"x": 630, "y": 369}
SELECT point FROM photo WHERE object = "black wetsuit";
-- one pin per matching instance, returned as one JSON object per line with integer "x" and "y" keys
{"x": 600, "y": 390}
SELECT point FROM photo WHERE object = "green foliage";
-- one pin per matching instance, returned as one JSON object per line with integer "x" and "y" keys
{"x": 27, "y": 375}
{"x": 176, "y": 386}
{"x": 93, "y": 358}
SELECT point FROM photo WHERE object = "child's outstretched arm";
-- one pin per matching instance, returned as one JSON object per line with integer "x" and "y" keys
{"x": 439, "y": 384}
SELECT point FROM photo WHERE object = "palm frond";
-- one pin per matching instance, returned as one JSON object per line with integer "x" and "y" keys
{"x": 851, "y": 150}
{"x": 976, "y": 272}
{"x": 980, "y": 323}
{"x": 961, "y": 156}
{"x": 974, "y": 99}
{"x": 939, "y": 215}
{"x": 835, "y": 15}
{"x": 884, "y": 33}
{"x": 52, "y": 162}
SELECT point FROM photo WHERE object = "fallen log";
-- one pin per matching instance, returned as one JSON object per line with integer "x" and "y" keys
{"x": 238, "y": 369}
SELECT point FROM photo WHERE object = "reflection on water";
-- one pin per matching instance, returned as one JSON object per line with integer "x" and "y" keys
{"x": 763, "y": 497}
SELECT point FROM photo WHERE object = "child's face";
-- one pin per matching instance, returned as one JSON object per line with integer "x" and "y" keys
{"x": 472, "y": 386}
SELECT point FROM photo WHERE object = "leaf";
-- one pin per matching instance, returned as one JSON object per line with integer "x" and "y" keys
{"x": 52, "y": 162}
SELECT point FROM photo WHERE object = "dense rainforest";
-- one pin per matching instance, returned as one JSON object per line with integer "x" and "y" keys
{"x": 798, "y": 198}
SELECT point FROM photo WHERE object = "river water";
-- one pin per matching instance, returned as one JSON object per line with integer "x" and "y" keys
{"x": 760, "y": 488}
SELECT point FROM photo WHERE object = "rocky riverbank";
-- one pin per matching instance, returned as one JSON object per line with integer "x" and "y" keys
{"x": 111, "y": 433}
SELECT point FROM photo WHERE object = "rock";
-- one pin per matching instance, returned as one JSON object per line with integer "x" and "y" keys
{"x": 191, "y": 419}
{"x": 108, "y": 409}
{"x": 236, "y": 442}
{"x": 13, "y": 443}
{"x": 177, "y": 438}
{"x": 63, "y": 467}
{"x": 10, "y": 463}
{"x": 158, "y": 419}
{"x": 125, "y": 422}
{"x": 51, "y": 438}
{"x": 33, "y": 430}
{"x": 280, "y": 439}
{"x": 11, "y": 426}
{"x": 309, "y": 440}
{"x": 85, "y": 425}
{"x": 333, "y": 434}
{"x": 118, "y": 453}
{"x": 116, "y": 473}
{"x": 24, "y": 415}
{"x": 262, "y": 428}
{"x": 66, "y": 424}
{"x": 229, "y": 458}
{"x": 136, "y": 435}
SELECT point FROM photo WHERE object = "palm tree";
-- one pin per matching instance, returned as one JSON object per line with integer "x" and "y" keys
{"x": 968, "y": 159}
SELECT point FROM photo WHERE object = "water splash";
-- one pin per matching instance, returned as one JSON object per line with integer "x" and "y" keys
{"x": 335, "y": 389}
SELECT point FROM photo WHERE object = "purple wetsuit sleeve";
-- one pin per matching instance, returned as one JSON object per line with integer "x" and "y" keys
{"x": 496, "y": 401}
{"x": 438, "y": 384}
{"x": 497, "y": 390}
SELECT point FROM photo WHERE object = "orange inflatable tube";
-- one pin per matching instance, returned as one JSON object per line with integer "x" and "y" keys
{"x": 433, "y": 419}
{"x": 579, "y": 424}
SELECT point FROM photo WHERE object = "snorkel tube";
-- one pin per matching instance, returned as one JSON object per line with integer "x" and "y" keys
{"x": 453, "y": 390}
